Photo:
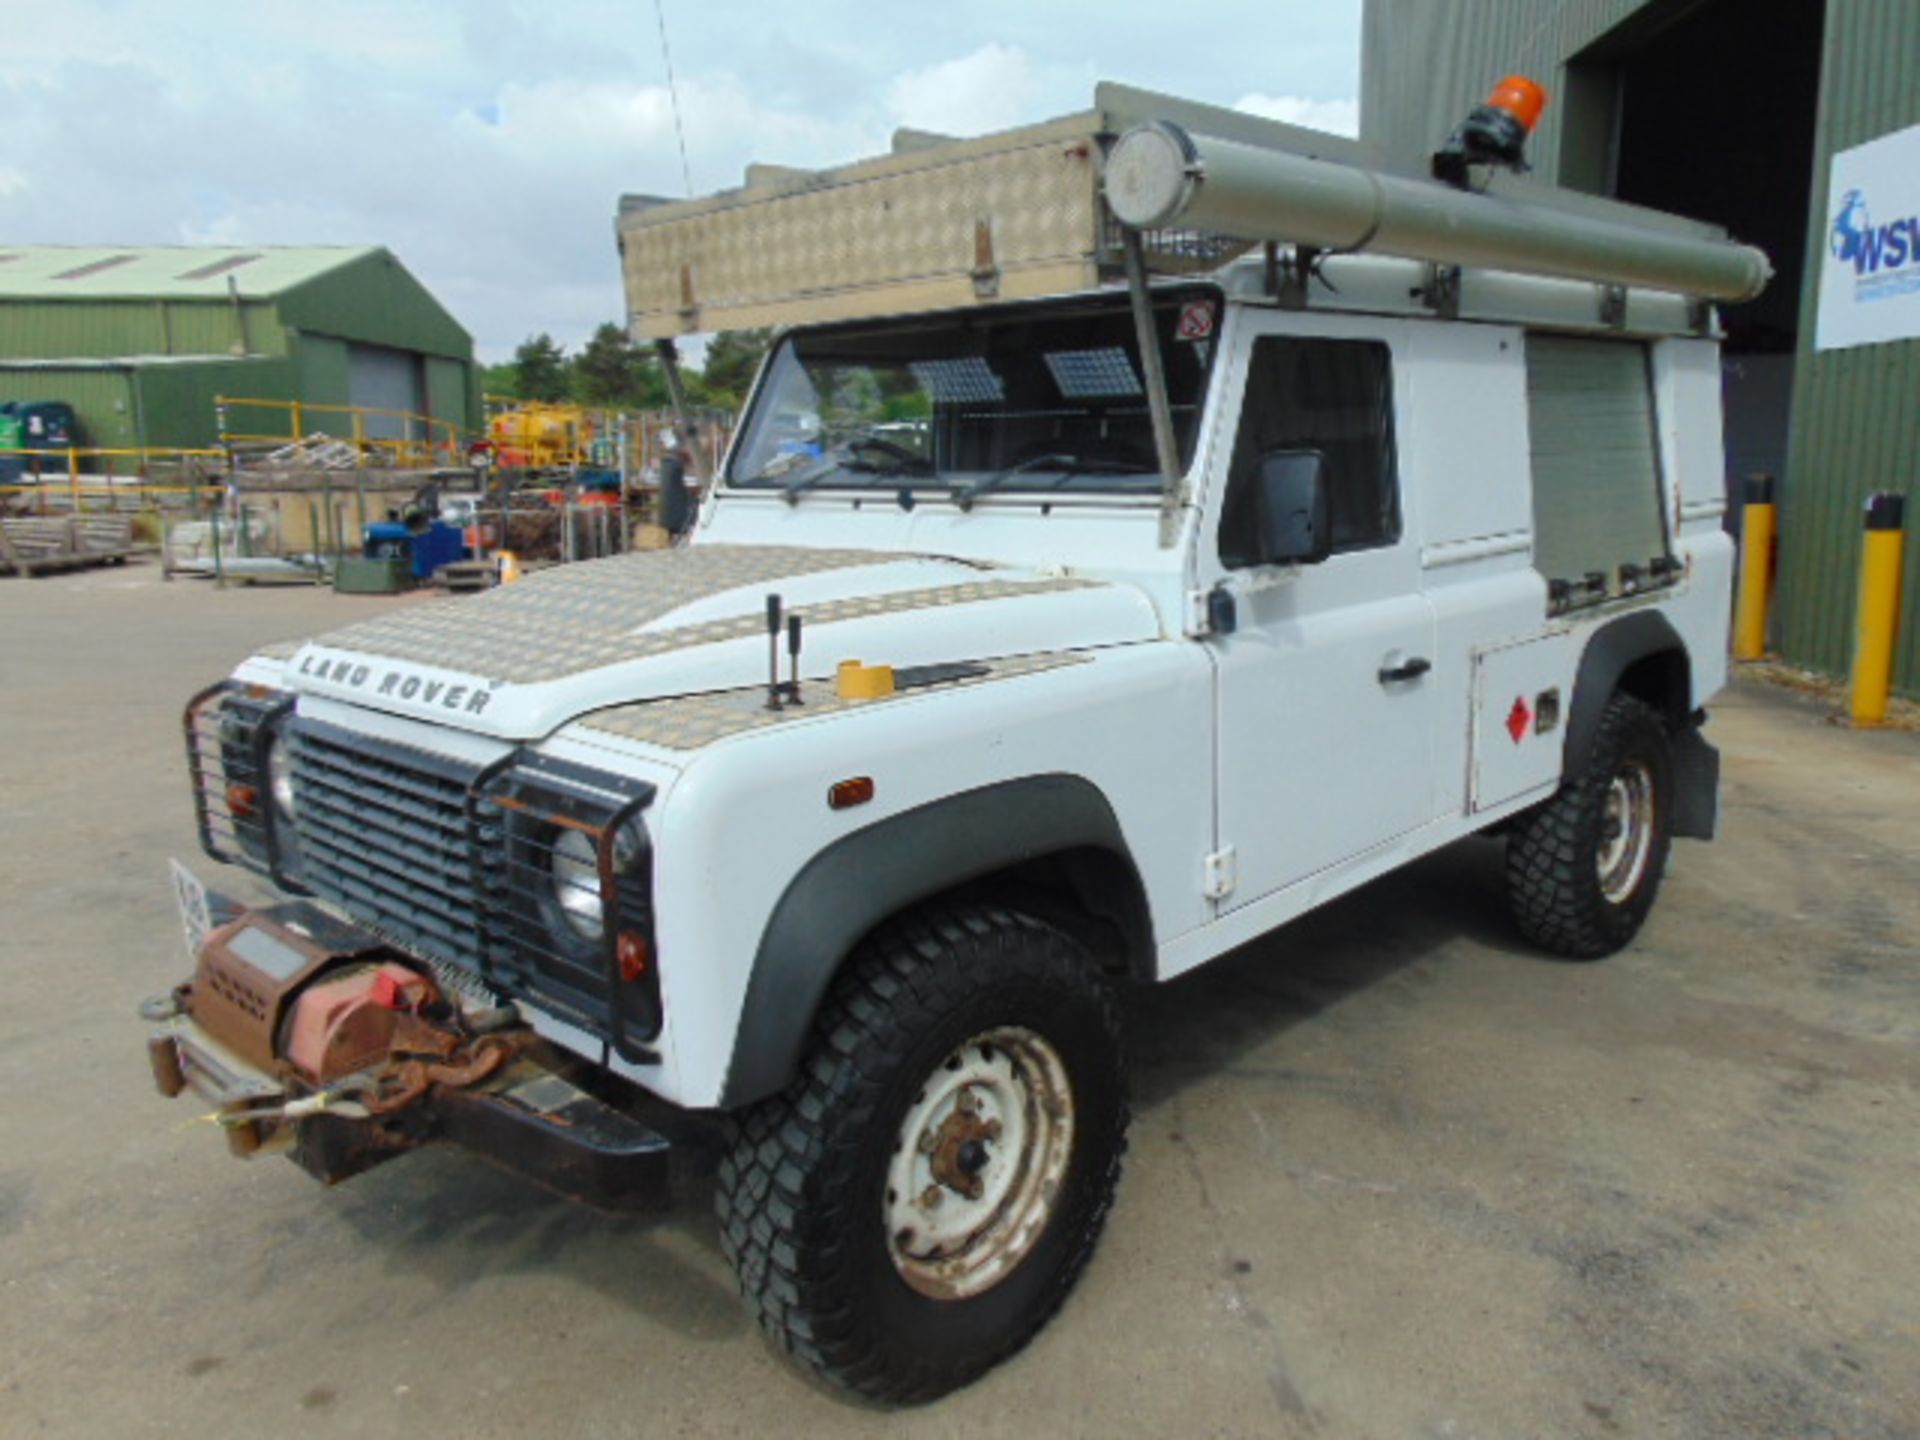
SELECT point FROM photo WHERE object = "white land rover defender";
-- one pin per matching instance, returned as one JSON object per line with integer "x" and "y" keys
{"x": 1112, "y": 564}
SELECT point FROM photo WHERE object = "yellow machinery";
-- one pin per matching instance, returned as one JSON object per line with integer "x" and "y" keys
{"x": 535, "y": 434}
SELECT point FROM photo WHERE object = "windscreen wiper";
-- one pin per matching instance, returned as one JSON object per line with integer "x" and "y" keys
{"x": 807, "y": 479}
{"x": 1067, "y": 465}
{"x": 810, "y": 478}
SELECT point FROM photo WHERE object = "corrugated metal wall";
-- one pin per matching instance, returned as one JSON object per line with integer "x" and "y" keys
{"x": 76, "y": 329}
{"x": 178, "y": 400}
{"x": 101, "y": 399}
{"x": 375, "y": 301}
{"x": 173, "y": 402}
{"x": 321, "y": 363}
{"x": 1424, "y": 64}
{"x": 450, "y": 387}
{"x": 1856, "y": 413}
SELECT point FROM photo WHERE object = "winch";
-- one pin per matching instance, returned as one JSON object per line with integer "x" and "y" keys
{"x": 313, "y": 1036}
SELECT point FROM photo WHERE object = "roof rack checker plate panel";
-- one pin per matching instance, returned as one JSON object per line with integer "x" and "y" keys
{"x": 934, "y": 225}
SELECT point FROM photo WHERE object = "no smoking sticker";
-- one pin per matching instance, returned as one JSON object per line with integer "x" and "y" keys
{"x": 1196, "y": 321}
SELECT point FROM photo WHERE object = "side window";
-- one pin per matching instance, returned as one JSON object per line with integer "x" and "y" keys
{"x": 1334, "y": 396}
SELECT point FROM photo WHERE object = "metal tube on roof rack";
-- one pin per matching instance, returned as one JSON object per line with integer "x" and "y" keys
{"x": 1160, "y": 176}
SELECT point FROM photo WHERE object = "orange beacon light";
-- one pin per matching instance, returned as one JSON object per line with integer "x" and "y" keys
{"x": 1494, "y": 132}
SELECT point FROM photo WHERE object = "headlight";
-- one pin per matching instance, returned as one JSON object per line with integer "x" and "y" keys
{"x": 280, "y": 777}
{"x": 575, "y": 865}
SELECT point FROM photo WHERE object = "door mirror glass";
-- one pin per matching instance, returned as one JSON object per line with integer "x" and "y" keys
{"x": 1295, "y": 514}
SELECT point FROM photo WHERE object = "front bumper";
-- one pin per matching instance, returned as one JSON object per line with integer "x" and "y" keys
{"x": 501, "y": 1093}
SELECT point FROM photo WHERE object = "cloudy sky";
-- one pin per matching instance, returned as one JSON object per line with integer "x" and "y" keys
{"x": 486, "y": 141}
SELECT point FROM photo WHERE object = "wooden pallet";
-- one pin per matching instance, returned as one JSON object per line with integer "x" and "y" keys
{"x": 465, "y": 577}
{"x": 39, "y": 545}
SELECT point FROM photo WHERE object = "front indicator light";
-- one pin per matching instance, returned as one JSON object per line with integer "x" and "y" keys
{"x": 848, "y": 793}
{"x": 634, "y": 954}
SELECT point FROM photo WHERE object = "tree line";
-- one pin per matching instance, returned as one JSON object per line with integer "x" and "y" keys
{"x": 611, "y": 372}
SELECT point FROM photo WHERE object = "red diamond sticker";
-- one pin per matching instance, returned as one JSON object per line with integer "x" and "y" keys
{"x": 1519, "y": 718}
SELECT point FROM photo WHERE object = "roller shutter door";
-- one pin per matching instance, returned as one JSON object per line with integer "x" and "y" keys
{"x": 1596, "y": 465}
{"x": 386, "y": 380}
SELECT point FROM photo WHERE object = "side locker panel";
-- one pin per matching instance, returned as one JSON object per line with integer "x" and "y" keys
{"x": 1520, "y": 697}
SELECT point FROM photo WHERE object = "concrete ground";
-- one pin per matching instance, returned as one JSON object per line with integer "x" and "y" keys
{"x": 1392, "y": 1174}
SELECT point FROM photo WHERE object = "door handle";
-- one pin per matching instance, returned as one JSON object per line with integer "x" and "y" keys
{"x": 1406, "y": 670}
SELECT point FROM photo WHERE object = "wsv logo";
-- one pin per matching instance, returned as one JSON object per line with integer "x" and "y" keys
{"x": 1871, "y": 248}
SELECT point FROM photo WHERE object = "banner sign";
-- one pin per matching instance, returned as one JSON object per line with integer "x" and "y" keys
{"x": 1870, "y": 274}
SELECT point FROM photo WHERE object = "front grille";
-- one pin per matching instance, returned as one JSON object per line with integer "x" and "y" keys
{"x": 384, "y": 832}
{"x": 455, "y": 862}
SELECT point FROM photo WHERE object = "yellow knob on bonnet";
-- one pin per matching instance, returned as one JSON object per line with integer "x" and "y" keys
{"x": 864, "y": 682}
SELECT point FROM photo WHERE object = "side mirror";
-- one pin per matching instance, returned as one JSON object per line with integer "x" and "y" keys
{"x": 676, "y": 504}
{"x": 1294, "y": 512}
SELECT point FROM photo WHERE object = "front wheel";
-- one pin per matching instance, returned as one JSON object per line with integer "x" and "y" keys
{"x": 919, "y": 1201}
{"x": 1584, "y": 868}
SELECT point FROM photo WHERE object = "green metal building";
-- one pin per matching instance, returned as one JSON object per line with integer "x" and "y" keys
{"x": 1733, "y": 112}
{"x": 141, "y": 339}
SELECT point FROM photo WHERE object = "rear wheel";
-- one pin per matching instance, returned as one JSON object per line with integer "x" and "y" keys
{"x": 1584, "y": 868}
{"x": 919, "y": 1201}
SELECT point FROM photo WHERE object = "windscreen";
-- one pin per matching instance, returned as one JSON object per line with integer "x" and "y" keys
{"x": 1027, "y": 398}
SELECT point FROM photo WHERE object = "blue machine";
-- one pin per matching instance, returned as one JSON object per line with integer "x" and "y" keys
{"x": 425, "y": 548}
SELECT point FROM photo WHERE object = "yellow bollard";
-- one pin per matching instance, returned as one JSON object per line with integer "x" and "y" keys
{"x": 1879, "y": 616}
{"x": 1757, "y": 528}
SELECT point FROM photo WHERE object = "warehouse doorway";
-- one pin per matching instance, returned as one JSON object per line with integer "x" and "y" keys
{"x": 1706, "y": 108}
{"x": 384, "y": 379}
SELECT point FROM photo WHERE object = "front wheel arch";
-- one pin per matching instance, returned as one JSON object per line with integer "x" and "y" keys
{"x": 1053, "y": 833}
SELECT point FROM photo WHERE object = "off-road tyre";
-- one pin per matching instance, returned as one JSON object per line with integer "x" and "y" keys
{"x": 803, "y": 1193}
{"x": 1555, "y": 853}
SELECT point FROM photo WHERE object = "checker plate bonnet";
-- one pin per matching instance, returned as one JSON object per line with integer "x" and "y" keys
{"x": 521, "y": 660}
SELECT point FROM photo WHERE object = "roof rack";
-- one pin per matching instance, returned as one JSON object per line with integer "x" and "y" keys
{"x": 1143, "y": 185}
{"x": 940, "y": 223}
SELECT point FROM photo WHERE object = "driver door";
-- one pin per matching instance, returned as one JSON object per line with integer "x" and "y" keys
{"x": 1325, "y": 714}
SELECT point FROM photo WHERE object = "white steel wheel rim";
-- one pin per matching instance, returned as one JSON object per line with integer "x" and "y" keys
{"x": 1626, "y": 832}
{"x": 979, "y": 1164}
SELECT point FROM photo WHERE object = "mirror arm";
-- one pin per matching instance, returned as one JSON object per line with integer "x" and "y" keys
{"x": 669, "y": 354}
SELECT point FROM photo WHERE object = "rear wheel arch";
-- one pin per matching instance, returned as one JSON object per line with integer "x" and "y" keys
{"x": 1049, "y": 843}
{"x": 1641, "y": 655}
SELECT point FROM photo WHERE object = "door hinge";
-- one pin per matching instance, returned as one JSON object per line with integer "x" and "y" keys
{"x": 1222, "y": 874}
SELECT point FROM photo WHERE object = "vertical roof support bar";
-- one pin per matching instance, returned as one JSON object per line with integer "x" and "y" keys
{"x": 1166, "y": 449}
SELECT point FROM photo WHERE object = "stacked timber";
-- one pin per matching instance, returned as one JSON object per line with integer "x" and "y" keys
{"x": 36, "y": 544}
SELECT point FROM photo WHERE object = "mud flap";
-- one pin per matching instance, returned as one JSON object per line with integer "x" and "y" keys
{"x": 1696, "y": 785}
